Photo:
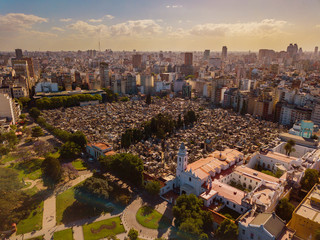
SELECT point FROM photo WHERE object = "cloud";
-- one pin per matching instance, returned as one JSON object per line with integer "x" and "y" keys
{"x": 108, "y": 16}
{"x": 174, "y": 6}
{"x": 65, "y": 19}
{"x": 95, "y": 20}
{"x": 262, "y": 28}
{"x": 58, "y": 29}
{"x": 136, "y": 28}
{"x": 19, "y": 21}
{"x": 318, "y": 26}
{"x": 86, "y": 28}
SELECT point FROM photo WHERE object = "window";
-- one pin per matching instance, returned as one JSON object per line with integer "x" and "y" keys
{"x": 251, "y": 236}
{"x": 189, "y": 179}
{"x": 227, "y": 202}
{"x": 234, "y": 206}
{"x": 243, "y": 231}
{"x": 245, "y": 178}
{"x": 241, "y": 209}
{"x": 250, "y": 180}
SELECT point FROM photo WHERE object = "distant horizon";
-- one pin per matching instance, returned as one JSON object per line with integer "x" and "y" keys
{"x": 176, "y": 25}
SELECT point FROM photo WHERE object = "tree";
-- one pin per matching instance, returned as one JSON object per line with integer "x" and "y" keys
{"x": 190, "y": 218}
{"x": 310, "y": 178}
{"x": 11, "y": 197}
{"x": 285, "y": 209}
{"x": 125, "y": 165}
{"x": 148, "y": 99}
{"x": 79, "y": 138}
{"x": 133, "y": 234}
{"x": 34, "y": 112}
{"x": 24, "y": 101}
{"x": 42, "y": 147}
{"x": 70, "y": 150}
{"x": 153, "y": 188}
{"x": 227, "y": 230}
{"x": 51, "y": 169}
{"x": 37, "y": 132}
{"x": 289, "y": 147}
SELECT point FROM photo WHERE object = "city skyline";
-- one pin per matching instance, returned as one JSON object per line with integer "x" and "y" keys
{"x": 174, "y": 25}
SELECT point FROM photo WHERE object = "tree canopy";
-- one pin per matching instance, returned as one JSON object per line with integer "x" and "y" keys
{"x": 125, "y": 165}
{"x": 65, "y": 101}
{"x": 37, "y": 132}
{"x": 191, "y": 220}
{"x": 153, "y": 187}
{"x": 34, "y": 112}
{"x": 133, "y": 234}
{"x": 69, "y": 150}
{"x": 285, "y": 209}
{"x": 51, "y": 169}
{"x": 310, "y": 178}
{"x": 227, "y": 230}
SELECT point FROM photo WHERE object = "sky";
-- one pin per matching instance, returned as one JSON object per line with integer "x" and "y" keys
{"x": 153, "y": 25}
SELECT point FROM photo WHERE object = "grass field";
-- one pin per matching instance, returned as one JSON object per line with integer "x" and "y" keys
{"x": 79, "y": 165}
{"x": 33, "y": 222}
{"x": 30, "y": 169}
{"x": 36, "y": 238}
{"x": 150, "y": 218}
{"x": 63, "y": 235}
{"x": 63, "y": 201}
{"x": 8, "y": 158}
{"x": 103, "y": 229}
{"x": 55, "y": 155}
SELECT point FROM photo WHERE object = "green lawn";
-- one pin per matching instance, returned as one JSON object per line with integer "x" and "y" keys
{"x": 8, "y": 158}
{"x": 150, "y": 218}
{"x": 63, "y": 201}
{"x": 79, "y": 165}
{"x": 102, "y": 229}
{"x": 55, "y": 155}
{"x": 30, "y": 169}
{"x": 33, "y": 222}
{"x": 63, "y": 235}
{"x": 31, "y": 191}
{"x": 37, "y": 238}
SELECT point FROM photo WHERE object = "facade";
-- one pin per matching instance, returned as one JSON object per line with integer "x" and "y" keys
{"x": 306, "y": 217}
{"x": 46, "y": 87}
{"x": 99, "y": 149}
{"x": 137, "y": 61}
{"x": 263, "y": 226}
{"x": 9, "y": 108}
{"x": 224, "y": 52}
{"x": 188, "y": 59}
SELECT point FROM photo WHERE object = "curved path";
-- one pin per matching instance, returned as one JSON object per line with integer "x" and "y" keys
{"x": 129, "y": 220}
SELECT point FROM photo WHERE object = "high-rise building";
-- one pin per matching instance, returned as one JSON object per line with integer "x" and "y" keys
{"x": 316, "y": 51}
{"x": 19, "y": 53}
{"x": 292, "y": 49}
{"x": 9, "y": 108}
{"x": 188, "y": 58}
{"x": 224, "y": 52}
{"x": 136, "y": 60}
{"x": 206, "y": 54}
{"x": 104, "y": 75}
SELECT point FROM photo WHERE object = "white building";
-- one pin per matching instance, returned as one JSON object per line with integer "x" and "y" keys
{"x": 9, "y": 108}
{"x": 46, "y": 87}
{"x": 99, "y": 149}
{"x": 263, "y": 226}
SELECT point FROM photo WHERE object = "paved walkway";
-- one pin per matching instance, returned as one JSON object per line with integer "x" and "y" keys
{"x": 129, "y": 220}
{"x": 128, "y": 217}
{"x": 49, "y": 212}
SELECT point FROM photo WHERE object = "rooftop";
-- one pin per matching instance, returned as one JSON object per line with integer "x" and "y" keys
{"x": 310, "y": 208}
{"x": 245, "y": 171}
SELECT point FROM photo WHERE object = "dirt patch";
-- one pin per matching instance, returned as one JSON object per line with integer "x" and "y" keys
{"x": 104, "y": 226}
